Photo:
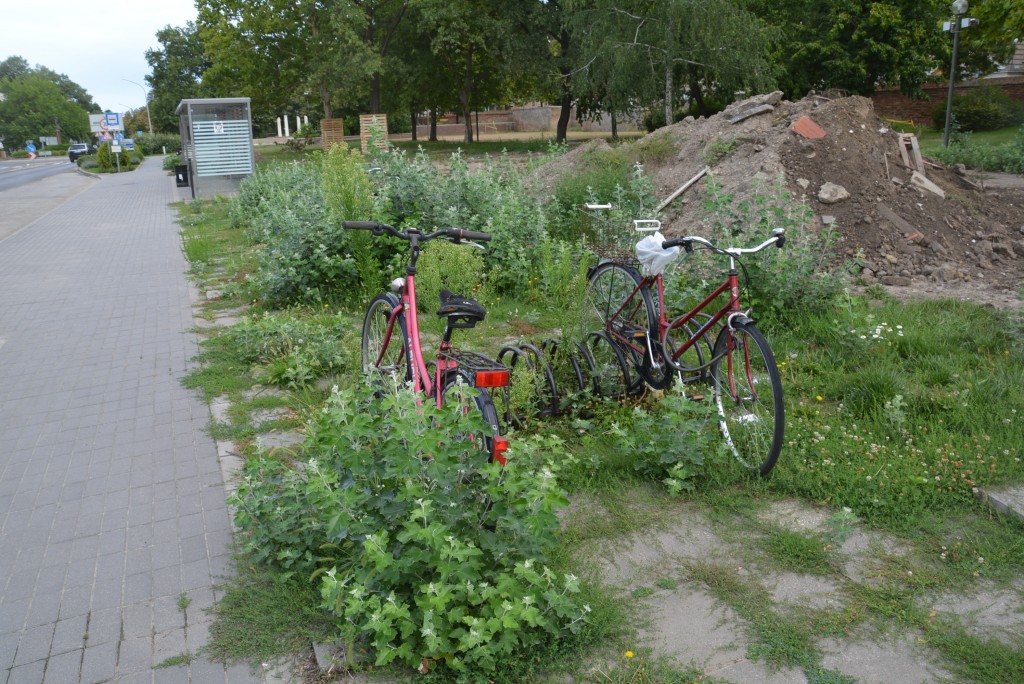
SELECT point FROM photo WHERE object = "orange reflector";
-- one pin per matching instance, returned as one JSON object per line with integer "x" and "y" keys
{"x": 492, "y": 378}
{"x": 500, "y": 447}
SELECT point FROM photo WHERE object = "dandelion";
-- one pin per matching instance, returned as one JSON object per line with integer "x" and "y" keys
{"x": 629, "y": 654}
{"x": 819, "y": 398}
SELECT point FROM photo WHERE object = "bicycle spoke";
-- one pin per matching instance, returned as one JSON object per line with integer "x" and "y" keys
{"x": 748, "y": 396}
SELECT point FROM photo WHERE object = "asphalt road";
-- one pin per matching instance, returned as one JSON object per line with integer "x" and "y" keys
{"x": 32, "y": 189}
{"x": 17, "y": 172}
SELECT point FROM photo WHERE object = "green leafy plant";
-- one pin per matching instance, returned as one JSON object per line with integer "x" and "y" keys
{"x": 422, "y": 547}
{"x": 795, "y": 278}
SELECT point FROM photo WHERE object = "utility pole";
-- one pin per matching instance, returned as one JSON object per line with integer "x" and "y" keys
{"x": 145, "y": 95}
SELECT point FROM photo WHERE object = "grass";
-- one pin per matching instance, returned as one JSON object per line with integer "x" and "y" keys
{"x": 264, "y": 615}
{"x": 896, "y": 411}
{"x": 930, "y": 140}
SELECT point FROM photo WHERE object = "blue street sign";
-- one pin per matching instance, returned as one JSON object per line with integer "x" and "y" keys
{"x": 30, "y": 148}
{"x": 119, "y": 136}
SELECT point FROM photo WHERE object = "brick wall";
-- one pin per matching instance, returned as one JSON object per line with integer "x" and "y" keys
{"x": 892, "y": 104}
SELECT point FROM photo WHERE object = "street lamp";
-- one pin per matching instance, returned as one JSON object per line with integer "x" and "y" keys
{"x": 959, "y": 9}
{"x": 145, "y": 95}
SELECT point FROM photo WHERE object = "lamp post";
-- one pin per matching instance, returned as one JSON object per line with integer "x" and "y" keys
{"x": 959, "y": 10}
{"x": 145, "y": 95}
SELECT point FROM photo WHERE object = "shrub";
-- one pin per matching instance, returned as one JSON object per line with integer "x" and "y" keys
{"x": 1006, "y": 158}
{"x": 987, "y": 108}
{"x": 170, "y": 161}
{"x": 422, "y": 548}
{"x": 606, "y": 176}
{"x": 416, "y": 192}
{"x": 87, "y": 162}
{"x": 797, "y": 278}
{"x": 154, "y": 143}
{"x": 295, "y": 350}
{"x": 444, "y": 264}
{"x": 305, "y": 256}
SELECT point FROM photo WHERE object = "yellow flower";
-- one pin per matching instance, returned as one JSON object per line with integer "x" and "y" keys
{"x": 629, "y": 654}
{"x": 819, "y": 398}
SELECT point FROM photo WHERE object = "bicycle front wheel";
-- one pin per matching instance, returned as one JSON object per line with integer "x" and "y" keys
{"x": 385, "y": 343}
{"x": 748, "y": 395}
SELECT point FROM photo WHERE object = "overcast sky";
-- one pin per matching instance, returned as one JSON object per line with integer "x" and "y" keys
{"x": 97, "y": 44}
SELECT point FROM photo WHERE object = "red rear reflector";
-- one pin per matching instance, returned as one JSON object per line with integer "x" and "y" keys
{"x": 492, "y": 378}
{"x": 500, "y": 447}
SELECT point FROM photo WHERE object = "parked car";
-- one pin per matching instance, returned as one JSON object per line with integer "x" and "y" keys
{"x": 80, "y": 150}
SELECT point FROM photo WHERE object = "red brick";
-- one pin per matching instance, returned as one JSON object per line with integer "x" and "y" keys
{"x": 807, "y": 128}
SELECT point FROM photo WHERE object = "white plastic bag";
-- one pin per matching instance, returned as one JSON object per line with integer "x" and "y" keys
{"x": 653, "y": 259}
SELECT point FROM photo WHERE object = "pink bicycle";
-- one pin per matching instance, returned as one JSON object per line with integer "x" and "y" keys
{"x": 391, "y": 346}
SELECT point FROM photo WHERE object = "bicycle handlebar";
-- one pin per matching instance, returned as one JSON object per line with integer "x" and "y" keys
{"x": 456, "y": 235}
{"x": 778, "y": 239}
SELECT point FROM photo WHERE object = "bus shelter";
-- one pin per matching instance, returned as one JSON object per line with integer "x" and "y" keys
{"x": 216, "y": 145}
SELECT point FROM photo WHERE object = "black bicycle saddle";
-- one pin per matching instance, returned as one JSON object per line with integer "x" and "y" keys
{"x": 459, "y": 308}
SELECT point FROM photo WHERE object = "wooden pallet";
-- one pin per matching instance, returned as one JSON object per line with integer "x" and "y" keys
{"x": 911, "y": 152}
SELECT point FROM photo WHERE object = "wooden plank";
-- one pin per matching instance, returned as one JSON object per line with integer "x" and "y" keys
{"x": 332, "y": 132}
{"x": 373, "y": 126}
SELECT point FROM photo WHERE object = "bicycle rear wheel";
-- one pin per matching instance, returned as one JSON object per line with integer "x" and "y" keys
{"x": 610, "y": 370}
{"x": 385, "y": 348}
{"x": 455, "y": 392}
{"x": 616, "y": 302}
{"x": 748, "y": 396}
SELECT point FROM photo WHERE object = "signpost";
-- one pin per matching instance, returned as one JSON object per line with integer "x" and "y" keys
{"x": 31, "y": 150}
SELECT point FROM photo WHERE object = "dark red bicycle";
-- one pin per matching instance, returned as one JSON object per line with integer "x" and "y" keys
{"x": 716, "y": 343}
{"x": 391, "y": 347}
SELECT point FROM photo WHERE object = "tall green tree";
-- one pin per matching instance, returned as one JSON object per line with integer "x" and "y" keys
{"x": 33, "y": 106}
{"x": 177, "y": 74}
{"x": 649, "y": 52}
{"x": 858, "y": 45}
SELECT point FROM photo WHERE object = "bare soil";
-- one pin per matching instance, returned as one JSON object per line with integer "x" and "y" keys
{"x": 967, "y": 244}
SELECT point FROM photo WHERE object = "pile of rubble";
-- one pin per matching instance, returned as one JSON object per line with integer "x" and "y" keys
{"x": 903, "y": 221}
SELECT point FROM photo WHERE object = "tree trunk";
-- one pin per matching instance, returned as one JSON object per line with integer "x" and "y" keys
{"x": 375, "y": 93}
{"x": 412, "y": 113}
{"x": 566, "y": 99}
{"x": 668, "y": 94}
{"x": 433, "y": 125}
{"x": 615, "y": 128}
{"x": 465, "y": 98}
{"x": 697, "y": 95}
{"x": 325, "y": 98}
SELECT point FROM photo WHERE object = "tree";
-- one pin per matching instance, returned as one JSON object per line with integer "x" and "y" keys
{"x": 858, "y": 45}
{"x": 638, "y": 51}
{"x": 177, "y": 74}
{"x": 13, "y": 68}
{"x": 33, "y": 106}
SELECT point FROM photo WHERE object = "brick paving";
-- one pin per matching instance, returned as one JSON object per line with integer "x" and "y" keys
{"x": 111, "y": 493}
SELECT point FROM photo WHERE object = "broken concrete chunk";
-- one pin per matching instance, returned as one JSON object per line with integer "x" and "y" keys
{"x": 748, "y": 112}
{"x": 828, "y": 220}
{"x": 830, "y": 193}
{"x": 918, "y": 180}
{"x": 803, "y": 183}
{"x": 806, "y": 128}
{"x": 897, "y": 281}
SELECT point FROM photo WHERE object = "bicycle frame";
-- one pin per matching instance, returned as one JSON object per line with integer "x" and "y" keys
{"x": 407, "y": 298}
{"x": 483, "y": 373}
{"x": 665, "y": 325}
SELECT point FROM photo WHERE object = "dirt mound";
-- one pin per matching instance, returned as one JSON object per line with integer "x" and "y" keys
{"x": 947, "y": 234}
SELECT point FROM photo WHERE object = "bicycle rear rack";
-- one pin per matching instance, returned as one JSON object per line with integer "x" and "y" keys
{"x": 486, "y": 371}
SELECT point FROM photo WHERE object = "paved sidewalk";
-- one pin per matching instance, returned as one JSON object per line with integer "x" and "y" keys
{"x": 111, "y": 494}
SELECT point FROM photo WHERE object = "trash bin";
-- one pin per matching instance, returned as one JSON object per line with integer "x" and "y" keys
{"x": 181, "y": 175}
